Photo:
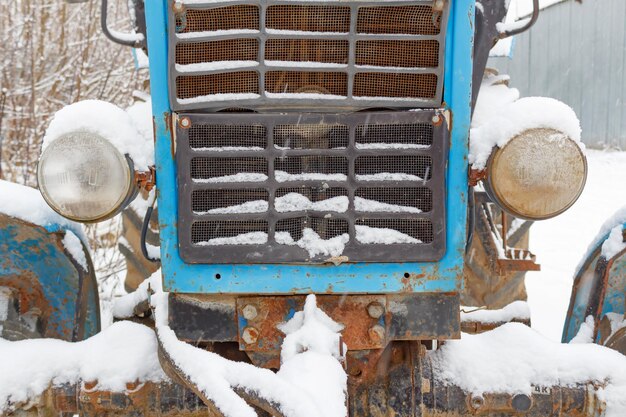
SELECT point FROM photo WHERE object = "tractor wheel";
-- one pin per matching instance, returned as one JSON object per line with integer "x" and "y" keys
{"x": 485, "y": 283}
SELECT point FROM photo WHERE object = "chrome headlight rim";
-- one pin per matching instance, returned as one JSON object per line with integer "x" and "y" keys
{"x": 128, "y": 195}
{"x": 492, "y": 190}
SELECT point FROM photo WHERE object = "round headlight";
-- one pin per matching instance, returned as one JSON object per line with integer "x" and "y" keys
{"x": 85, "y": 178}
{"x": 537, "y": 175}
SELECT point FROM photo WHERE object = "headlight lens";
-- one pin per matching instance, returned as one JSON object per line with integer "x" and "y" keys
{"x": 537, "y": 175}
{"x": 84, "y": 178}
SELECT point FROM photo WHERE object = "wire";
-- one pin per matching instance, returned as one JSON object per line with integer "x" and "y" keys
{"x": 144, "y": 231}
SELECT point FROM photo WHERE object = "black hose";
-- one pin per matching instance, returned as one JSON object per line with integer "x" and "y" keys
{"x": 144, "y": 231}
{"x": 471, "y": 217}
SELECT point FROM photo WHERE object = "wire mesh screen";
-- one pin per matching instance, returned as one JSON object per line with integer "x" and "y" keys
{"x": 343, "y": 55}
{"x": 307, "y": 187}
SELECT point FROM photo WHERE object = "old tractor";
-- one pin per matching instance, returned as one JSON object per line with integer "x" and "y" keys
{"x": 322, "y": 147}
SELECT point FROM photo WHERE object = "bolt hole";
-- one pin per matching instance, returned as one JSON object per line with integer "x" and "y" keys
{"x": 218, "y": 276}
{"x": 407, "y": 275}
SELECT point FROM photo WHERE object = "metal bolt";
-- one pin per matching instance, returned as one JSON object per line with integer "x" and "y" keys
{"x": 185, "y": 122}
{"x": 177, "y": 6}
{"x": 375, "y": 310}
{"x": 377, "y": 333}
{"x": 249, "y": 312}
{"x": 250, "y": 335}
{"x": 436, "y": 119}
{"x": 477, "y": 401}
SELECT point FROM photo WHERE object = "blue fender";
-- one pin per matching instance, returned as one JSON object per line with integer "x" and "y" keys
{"x": 35, "y": 264}
{"x": 599, "y": 290}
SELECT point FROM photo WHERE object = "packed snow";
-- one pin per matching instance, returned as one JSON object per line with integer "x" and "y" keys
{"x": 517, "y": 310}
{"x": 107, "y": 120}
{"x": 314, "y": 244}
{"x": 124, "y": 352}
{"x": 282, "y": 176}
{"x": 251, "y": 238}
{"x": 255, "y": 206}
{"x": 239, "y": 177}
{"x": 309, "y": 64}
{"x": 382, "y": 145}
{"x": 298, "y": 202}
{"x": 305, "y": 96}
{"x": 27, "y": 204}
{"x": 74, "y": 246}
{"x": 388, "y": 176}
{"x": 214, "y": 66}
{"x": 384, "y": 236}
{"x": 364, "y": 204}
{"x": 227, "y": 32}
{"x": 218, "y": 97}
{"x": 500, "y": 117}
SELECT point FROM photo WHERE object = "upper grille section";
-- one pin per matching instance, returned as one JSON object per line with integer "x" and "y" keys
{"x": 306, "y": 187}
{"x": 336, "y": 54}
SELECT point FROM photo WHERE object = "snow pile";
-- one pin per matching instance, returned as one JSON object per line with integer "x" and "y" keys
{"x": 250, "y": 238}
{"x": 110, "y": 122}
{"x": 298, "y": 202}
{"x": 499, "y": 117}
{"x": 74, "y": 246}
{"x": 314, "y": 244}
{"x": 27, "y": 204}
{"x": 512, "y": 357}
{"x": 614, "y": 243}
{"x": 585, "y": 333}
{"x": 517, "y": 310}
{"x": 371, "y": 235}
{"x": 216, "y": 65}
{"x": 124, "y": 352}
{"x": 141, "y": 113}
{"x": 383, "y": 145}
{"x": 311, "y": 356}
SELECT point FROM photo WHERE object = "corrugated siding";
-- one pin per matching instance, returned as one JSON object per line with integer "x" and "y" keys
{"x": 577, "y": 54}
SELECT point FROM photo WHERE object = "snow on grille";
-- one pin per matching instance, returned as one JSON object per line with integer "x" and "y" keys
{"x": 297, "y": 187}
{"x": 360, "y": 54}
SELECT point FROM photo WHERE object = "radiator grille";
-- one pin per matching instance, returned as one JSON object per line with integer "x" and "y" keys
{"x": 274, "y": 188}
{"x": 354, "y": 55}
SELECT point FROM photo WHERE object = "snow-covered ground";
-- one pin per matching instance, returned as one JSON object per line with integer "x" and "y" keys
{"x": 560, "y": 243}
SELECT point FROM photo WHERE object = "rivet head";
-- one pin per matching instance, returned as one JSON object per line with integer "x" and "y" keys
{"x": 377, "y": 333}
{"x": 375, "y": 310}
{"x": 250, "y": 335}
{"x": 436, "y": 119}
{"x": 249, "y": 312}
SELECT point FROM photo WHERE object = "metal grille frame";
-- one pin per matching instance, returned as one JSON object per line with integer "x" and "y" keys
{"x": 272, "y": 252}
{"x": 357, "y": 78}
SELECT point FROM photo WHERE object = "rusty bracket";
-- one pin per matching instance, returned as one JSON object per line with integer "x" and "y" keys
{"x": 146, "y": 180}
{"x": 476, "y": 175}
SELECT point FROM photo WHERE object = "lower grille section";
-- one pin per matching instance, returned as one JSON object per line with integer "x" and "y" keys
{"x": 312, "y": 188}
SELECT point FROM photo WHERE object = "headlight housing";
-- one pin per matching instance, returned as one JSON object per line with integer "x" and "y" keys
{"x": 83, "y": 177}
{"x": 537, "y": 175}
